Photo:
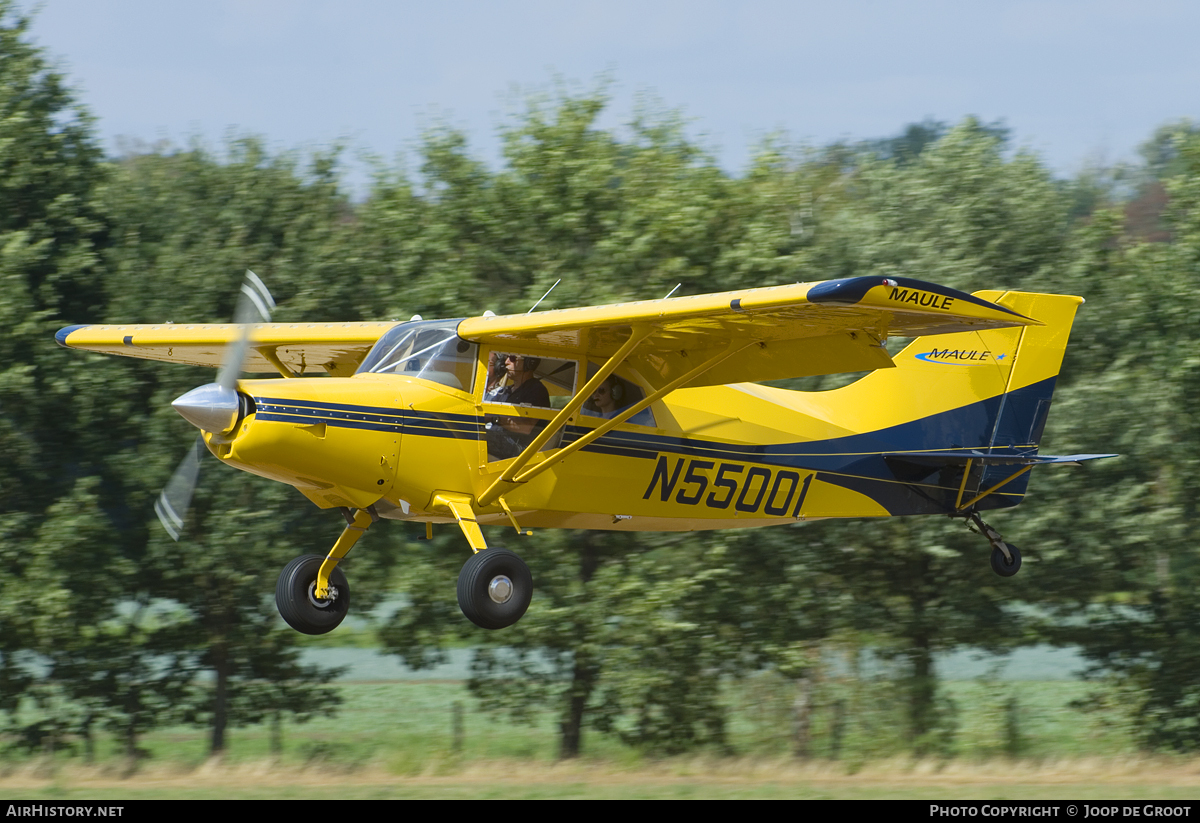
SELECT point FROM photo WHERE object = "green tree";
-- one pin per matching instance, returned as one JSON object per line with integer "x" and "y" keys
{"x": 113, "y": 656}
{"x": 615, "y": 219}
{"x": 622, "y": 636}
{"x": 49, "y": 233}
{"x": 1122, "y": 546}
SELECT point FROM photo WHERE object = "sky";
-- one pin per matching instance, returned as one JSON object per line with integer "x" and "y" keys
{"x": 1076, "y": 81}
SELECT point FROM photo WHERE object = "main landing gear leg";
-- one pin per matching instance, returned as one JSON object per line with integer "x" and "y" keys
{"x": 494, "y": 586}
{"x": 312, "y": 594}
{"x": 1006, "y": 558}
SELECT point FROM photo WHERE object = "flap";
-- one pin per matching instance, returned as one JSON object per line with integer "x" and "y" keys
{"x": 783, "y": 331}
{"x": 305, "y": 348}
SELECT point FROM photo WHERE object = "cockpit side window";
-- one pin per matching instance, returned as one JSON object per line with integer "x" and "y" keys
{"x": 527, "y": 380}
{"x": 524, "y": 380}
{"x": 431, "y": 350}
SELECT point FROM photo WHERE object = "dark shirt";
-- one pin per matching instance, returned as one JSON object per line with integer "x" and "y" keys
{"x": 531, "y": 392}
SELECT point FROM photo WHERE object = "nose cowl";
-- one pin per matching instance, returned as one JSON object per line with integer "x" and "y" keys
{"x": 211, "y": 408}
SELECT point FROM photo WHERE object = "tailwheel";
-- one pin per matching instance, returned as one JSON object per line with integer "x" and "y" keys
{"x": 1006, "y": 558}
{"x": 295, "y": 595}
{"x": 1006, "y": 566}
{"x": 494, "y": 588}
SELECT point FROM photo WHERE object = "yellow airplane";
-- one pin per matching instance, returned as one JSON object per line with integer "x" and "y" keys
{"x": 644, "y": 416}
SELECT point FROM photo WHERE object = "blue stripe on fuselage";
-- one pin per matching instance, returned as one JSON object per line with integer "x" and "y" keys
{"x": 855, "y": 461}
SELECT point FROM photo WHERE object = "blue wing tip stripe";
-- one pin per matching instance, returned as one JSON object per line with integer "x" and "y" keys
{"x": 61, "y": 335}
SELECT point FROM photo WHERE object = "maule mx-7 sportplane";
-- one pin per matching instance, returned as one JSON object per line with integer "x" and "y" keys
{"x": 645, "y": 416}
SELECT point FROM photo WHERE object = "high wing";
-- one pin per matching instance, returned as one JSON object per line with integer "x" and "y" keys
{"x": 301, "y": 348}
{"x": 803, "y": 329}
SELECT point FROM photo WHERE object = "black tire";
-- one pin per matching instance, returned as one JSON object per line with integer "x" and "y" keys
{"x": 1001, "y": 566}
{"x": 293, "y": 596}
{"x": 475, "y": 588}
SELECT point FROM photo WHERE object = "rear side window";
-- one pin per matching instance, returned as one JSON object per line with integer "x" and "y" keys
{"x": 614, "y": 396}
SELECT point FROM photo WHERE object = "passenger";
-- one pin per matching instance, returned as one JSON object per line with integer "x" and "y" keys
{"x": 609, "y": 401}
{"x": 605, "y": 398}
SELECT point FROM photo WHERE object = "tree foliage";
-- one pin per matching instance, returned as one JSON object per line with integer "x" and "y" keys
{"x": 1134, "y": 381}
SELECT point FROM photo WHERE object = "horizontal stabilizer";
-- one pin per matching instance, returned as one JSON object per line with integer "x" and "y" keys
{"x": 941, "y": 458}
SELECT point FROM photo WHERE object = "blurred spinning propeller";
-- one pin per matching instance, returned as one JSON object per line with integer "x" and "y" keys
{"x": 214, "y": 407}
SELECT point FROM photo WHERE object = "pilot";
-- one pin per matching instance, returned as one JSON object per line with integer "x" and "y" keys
{"x": 523, "y": 388}
{"x": 507, "y": 436}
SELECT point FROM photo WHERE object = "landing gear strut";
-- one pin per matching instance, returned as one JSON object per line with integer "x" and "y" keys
{"x": 312, "y": 593}
{"x": 1006, "y": 558}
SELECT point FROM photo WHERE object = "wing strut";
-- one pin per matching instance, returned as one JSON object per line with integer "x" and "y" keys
{"x": 638, "y": 333}
{"x": 269, "y": 354}
{"x": 608, "y": 425}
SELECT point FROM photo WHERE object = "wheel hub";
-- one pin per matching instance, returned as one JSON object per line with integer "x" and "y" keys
{"x": 319, "y": 602}
{"x": 500, "y": 589}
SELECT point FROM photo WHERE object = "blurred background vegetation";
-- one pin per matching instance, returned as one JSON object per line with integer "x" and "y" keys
{"x": 819, "y": 641}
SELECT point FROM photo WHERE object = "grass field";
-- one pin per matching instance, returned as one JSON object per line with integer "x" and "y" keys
{"x": 390, "y": 739}
{"x": 1077, "y": 779}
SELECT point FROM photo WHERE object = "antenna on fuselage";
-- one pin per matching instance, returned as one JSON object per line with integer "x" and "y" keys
{"x": 544, "y": 296}
{"x": 672, "y": 291}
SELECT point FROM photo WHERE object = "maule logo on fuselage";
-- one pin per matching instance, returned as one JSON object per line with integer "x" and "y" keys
{"x": 921, "y": 298}
{"x": 959, "y": 357}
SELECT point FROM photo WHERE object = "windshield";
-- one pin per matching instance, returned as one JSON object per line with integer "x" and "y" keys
{"x": 429, "y": 349}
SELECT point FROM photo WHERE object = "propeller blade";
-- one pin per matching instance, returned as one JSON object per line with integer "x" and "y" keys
{"x": 254, "y": 306}
{"x": 213, "y": 407}
{"x": 255, "y": 303}
{"x": 176, "y": 497}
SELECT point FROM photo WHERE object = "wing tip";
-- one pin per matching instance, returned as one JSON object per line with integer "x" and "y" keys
{"x": 845, "y": 289}
{"x": 61, "y": 335}
{"x": 853, "y": 290}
